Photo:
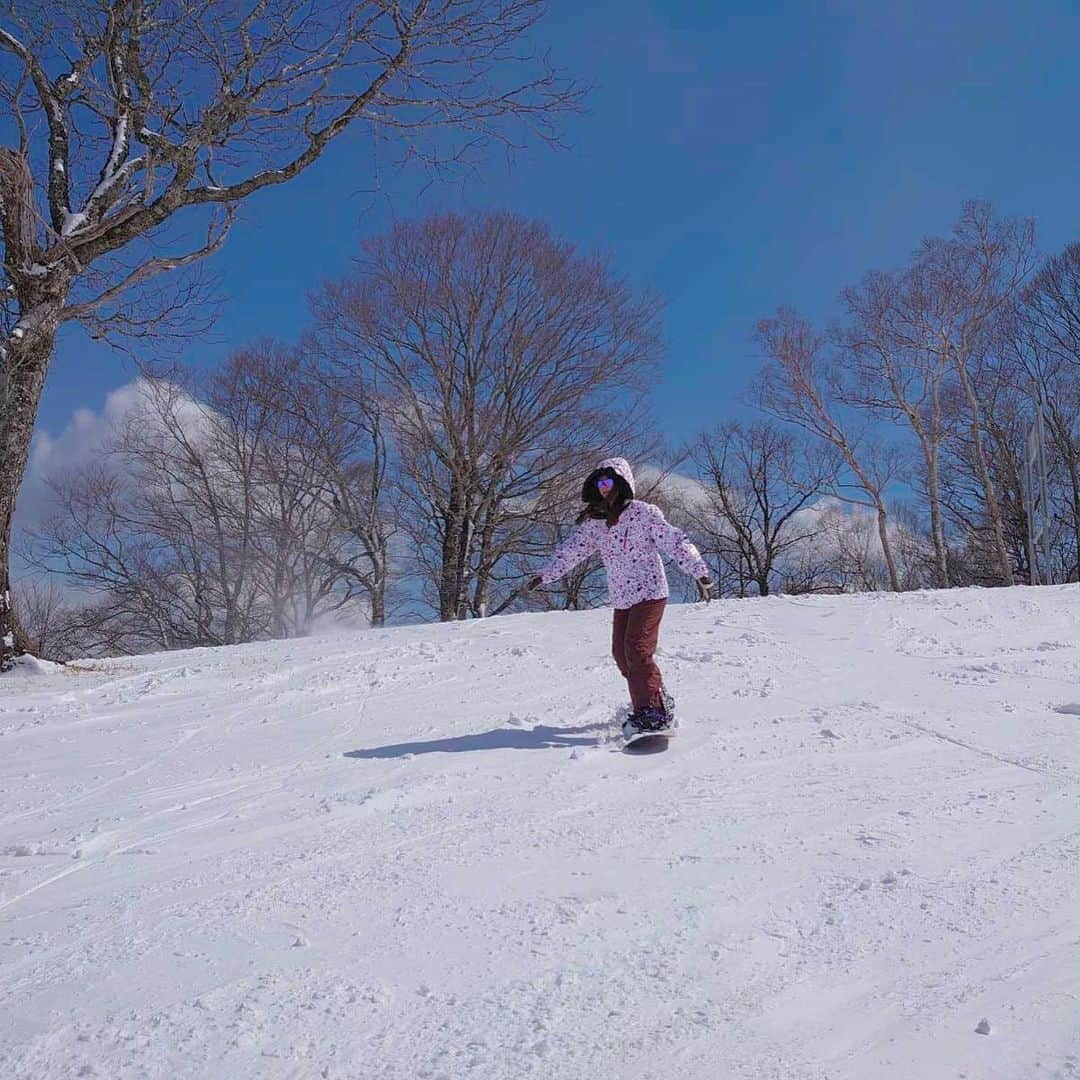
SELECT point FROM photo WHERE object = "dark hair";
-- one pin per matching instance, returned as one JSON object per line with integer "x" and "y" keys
{"x": 595, "y": 507}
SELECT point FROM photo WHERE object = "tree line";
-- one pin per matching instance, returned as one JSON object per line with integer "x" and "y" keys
{"x": 421, "y": 447}
{"x": 927, "y": 383}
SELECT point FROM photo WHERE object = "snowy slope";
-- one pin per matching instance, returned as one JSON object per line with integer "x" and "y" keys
{"x": 418, "y": 853}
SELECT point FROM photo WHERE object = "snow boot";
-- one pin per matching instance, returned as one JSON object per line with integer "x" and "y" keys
{"x": 648, "y": 721}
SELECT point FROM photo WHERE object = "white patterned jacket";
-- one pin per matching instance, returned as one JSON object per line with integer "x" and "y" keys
{"x": 630, "y": 549}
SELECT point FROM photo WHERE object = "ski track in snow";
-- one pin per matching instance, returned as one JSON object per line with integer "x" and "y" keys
{"x": 419, "y": 854}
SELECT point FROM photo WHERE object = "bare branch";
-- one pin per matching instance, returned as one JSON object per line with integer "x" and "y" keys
{"x": 217, "y": 234}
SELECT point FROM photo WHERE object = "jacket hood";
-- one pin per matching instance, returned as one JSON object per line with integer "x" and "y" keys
{"x": 622, "y": 467}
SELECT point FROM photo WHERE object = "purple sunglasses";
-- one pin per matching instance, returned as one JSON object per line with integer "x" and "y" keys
{"x": 604, "y": 484}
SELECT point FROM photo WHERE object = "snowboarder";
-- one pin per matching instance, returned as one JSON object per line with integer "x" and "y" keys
{"x": 628, "y": 535}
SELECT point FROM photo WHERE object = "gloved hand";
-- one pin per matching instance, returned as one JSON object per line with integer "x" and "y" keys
{"x": 705, "y": 588}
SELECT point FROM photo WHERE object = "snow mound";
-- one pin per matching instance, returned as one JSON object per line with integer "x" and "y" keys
{"x": 422, "y": 853}
{"x": 31, "y": 666}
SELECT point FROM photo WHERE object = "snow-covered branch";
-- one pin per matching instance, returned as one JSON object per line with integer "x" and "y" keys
{"x": 58, "y": 183}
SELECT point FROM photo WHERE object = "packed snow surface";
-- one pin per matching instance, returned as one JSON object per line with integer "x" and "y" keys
{"x": 422, "y": 853}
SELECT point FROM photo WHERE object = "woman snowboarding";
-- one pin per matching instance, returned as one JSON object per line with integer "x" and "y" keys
{"x": 629, "y": 535}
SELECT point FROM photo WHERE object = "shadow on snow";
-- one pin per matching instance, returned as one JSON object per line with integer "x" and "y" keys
{"x": 540, "y": 737}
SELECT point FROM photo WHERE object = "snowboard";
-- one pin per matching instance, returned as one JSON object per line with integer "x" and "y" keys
{"x": 648, "y": 742}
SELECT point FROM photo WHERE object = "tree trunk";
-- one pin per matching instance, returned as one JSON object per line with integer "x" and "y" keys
{"x": 464, "y": 567}
{"x": 937, "y": 520}
{"x": 933, "y": 474}
{"x": 1074, "y": 483}
{"x": 453, "y": 577}
{"x": 486, "y": 558}
{"x": 378, "y": 600}
{"x": 25, "y": 361}
{"x": 993, "y": 508}
{"x": 886, "y": 547}
{"x": 449, "y": 571}
{"x": 874, "y": 491}
{"x": 13, "y": 641}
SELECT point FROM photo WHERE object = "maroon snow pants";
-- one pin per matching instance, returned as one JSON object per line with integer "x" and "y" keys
{"x": 633, "y": 643}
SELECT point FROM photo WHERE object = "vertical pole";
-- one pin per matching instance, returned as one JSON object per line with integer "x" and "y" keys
{"x": 1029, "y": 513}
{"x": 1044, "y": 491}
{"x": 1037, "y": 493}
{"x": 1031, "y": 497}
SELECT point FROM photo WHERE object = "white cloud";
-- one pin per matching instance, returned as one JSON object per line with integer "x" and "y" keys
{"x": 690, "y": 492}
{"x": 81, "y": 439}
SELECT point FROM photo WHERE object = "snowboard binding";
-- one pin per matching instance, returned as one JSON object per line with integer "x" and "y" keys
{"x": 653, "y": 723}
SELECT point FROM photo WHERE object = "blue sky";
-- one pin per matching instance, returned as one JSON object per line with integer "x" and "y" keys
{"x": 734, "y": 157}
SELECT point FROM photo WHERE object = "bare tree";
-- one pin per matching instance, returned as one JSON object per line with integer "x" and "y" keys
{"x": 336, "y": 424}
{"x": 1051, "y": 308}
{"x": 1005, "y": 402}
{"x": 855, "y": 552}
{"x": 49, "y": 619}
{"x": 800, "y": 384}
{"x": 975, "y": 277}
{"x": 807, "y": 572}
{"x": 137, "y": 120}
{"x": 205, "y": 520}
{"x": 1007, "y": 418}
{"x": 1045, "y": 340}
{"x": 759, "y": 479}
{"x": 505, "y": 360}
{"x": 914, "y": 547}
{"x": 307, "y": 562}
{"x": 898, "y": 371}
{"x": 147, "y": 592}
